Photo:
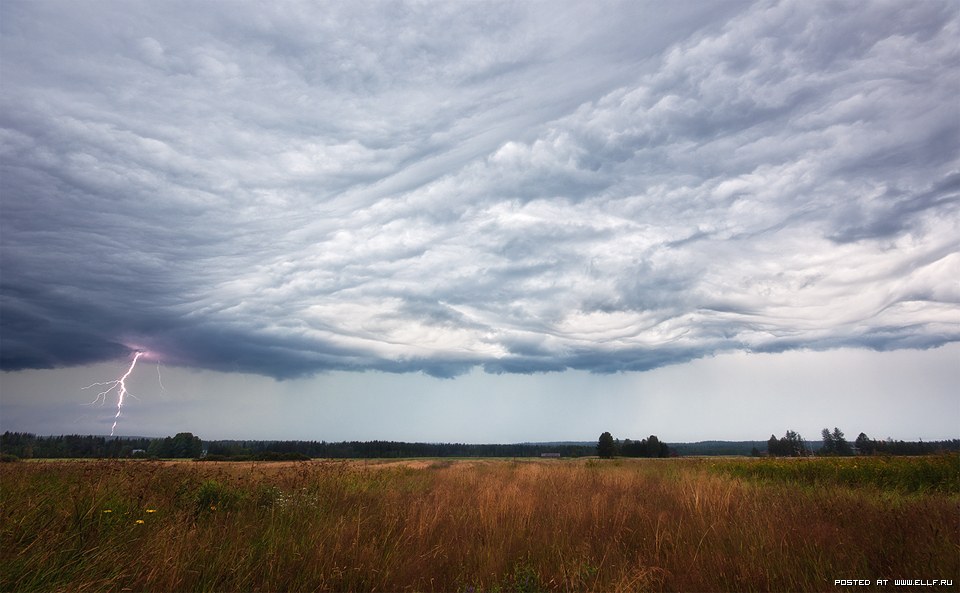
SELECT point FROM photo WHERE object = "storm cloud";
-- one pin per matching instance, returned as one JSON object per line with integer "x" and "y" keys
{"x": 292, "y": 188}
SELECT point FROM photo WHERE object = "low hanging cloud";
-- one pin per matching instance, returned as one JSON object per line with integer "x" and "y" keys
{"x": 295, "y": 188}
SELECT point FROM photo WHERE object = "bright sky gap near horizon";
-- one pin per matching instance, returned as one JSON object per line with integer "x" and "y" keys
{"x": 484, "y": 221}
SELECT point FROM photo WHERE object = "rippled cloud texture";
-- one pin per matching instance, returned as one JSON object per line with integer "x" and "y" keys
{"x": 287, "y": 188}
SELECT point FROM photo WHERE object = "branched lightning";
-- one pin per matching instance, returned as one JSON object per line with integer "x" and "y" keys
{"x": 118, "y": 385}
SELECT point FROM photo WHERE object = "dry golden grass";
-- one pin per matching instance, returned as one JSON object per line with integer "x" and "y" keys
{"x": 442, "y": 525}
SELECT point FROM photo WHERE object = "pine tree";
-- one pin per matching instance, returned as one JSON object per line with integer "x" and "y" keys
{"x": 606, "y": 446}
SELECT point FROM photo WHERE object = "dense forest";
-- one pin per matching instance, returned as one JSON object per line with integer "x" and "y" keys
{"x": 186, "y": 445}
{"x": 711, "y": 448}
{"x": 26, "y": 445}
{"x": 393, "y": 449}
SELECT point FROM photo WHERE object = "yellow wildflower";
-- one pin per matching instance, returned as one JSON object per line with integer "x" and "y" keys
{"x": 151, "y": 510}
{"x": 139, "y": 521}
{"x": 107, "y": 511}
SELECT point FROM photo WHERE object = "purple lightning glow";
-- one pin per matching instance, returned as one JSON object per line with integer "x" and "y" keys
{"x": 120, "y": 385}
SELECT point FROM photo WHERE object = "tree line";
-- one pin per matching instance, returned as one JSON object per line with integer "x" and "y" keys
{"x": 651, "y": 446}
{"x": 834, "y": 443}
{"x": 186, "y": 445}
{"x": 394, "y": 449}
{"x": 26, "y": 445}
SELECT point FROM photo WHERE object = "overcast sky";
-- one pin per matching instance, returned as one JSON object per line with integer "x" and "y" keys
{"x": 481, "y": 221}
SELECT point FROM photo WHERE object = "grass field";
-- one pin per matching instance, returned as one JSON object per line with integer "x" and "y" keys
{"x": 479, "y": 525}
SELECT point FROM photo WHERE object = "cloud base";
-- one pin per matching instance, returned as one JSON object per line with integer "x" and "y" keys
{"x": 436, "y": 188}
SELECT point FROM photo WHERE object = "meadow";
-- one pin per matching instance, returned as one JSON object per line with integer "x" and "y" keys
{"x": 479, "y": 525}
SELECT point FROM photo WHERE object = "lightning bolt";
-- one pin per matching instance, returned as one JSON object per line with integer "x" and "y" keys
{"x": 120, "y": 386}
{"x": 159, "y": 378}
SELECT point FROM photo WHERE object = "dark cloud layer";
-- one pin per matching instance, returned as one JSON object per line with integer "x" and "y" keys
{"x": 528, "y": 187}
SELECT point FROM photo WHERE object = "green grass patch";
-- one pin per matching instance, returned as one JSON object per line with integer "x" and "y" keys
{"x": 933, "y": 473}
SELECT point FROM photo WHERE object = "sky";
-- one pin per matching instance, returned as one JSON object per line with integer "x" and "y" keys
{"x": 481, "y": 221}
